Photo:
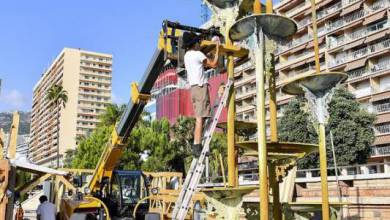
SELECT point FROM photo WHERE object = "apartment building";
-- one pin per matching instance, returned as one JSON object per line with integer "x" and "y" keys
{"x": 353, "y": 38}
{"x": 86, "y": 77}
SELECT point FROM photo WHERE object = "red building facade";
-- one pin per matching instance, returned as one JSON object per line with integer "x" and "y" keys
{"x": 172, "y": 102}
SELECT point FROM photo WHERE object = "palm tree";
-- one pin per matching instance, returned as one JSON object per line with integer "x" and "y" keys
{"x": 57, "y": 96}
{"x": 111, "y": 115}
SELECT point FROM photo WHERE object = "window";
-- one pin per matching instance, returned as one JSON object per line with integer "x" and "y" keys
{"x": 377, "y": 26}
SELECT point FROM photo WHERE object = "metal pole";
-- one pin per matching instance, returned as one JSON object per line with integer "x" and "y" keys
{"x": 272, "y": 97}
{"x": 323, "y": 170}
{"x": 222, "y": 170}
{"x": 277, "y": 208}
{"x": 207, "y": 163}
{"x": 269, "y": 7}
{"x": 335, "y": 166}
{"x": 256, "y": 7}
{"x": 270, "y": 72}
{"x": 232, "y": 165}
{"x": 315, "y": 36}
{"x": 232, "y": 156}
{"x": 261, "y": 127}
{"x": 322, "y": 136}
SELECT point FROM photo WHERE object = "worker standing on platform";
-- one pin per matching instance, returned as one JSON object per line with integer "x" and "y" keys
{"x": 195, "y": 62}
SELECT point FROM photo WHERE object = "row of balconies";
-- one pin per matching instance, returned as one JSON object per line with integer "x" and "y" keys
{"x": 362, "y": 32}
{"x": 382, "y": 128}
{"x": 380, "y": 151}
{"x": 92, "y": 105}
{"x": 97, "y": 93}
{"x": 306, "y": 3}
{"x": 366, "y": 70}
{"x": 380, "y": 108}
{"x": 93, "y": 98}
{"x": 363, "y": 171}
{"x": 100, "y": 72}
{"x": 101, "y": 86}
{"x": 95, "y": 65}
{"x": 345, "y": 57}
{"x": 95, "y": 58}
{"x": 332, "y": 25}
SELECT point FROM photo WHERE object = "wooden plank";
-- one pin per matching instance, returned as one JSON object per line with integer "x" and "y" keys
{"x": 33, "y": 183}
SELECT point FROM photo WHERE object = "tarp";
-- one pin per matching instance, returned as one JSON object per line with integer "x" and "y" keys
{"x": 351, "y": 8}
{"x": 380, "y": 96}
{"x": 354, "y": 44}
{"x": 355, "y": 64}
{"x": 374, "y": 17}
{"x": 24, "y": 164}
{"x": 376, "y": 36}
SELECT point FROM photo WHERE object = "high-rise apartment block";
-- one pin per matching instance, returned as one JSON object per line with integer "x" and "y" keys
{"x": 86, "y": 77}
{"x": 353, "y": 38}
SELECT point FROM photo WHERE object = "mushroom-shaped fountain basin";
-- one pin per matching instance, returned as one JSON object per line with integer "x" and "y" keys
{"x": 271, "y": 24}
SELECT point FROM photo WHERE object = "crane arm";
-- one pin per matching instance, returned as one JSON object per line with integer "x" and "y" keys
{"x": 139, "y": 98}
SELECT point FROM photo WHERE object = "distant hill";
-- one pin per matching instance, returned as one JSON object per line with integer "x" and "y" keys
{"x": 24, "y": 126}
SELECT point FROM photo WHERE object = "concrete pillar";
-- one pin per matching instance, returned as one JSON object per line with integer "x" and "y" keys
{"x": 344, "y": 172}
{"x": 308, "y": 174}
{"x": 364, "y": 170}
{"x": 387, "y": 165}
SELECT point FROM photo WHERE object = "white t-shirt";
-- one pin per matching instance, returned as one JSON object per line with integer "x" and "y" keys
{"x": 193, "y": 61}
{"x": 47, "y": 211}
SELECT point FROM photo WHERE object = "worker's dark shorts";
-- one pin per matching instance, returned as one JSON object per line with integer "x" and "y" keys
{"x": 201, "y": 101}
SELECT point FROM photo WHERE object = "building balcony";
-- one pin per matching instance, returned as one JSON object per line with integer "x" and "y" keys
{"x": 333, "y": 25}
{"x": 355, "y": 172}
{"x": 382, "y": 129}
{"x": 366, "y": 71}
{"x": 360, "y": 33}
{"x": 244, "y": 108}
{"x": 247, "y": 79}
{"x": 380, "y": 151}
{"x": 246, "y": 93}
{"x": 345, "y": 57}
{"x": 381, "y": 108}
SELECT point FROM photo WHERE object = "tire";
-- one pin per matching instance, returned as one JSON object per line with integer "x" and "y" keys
{"x": 152, "y": 216}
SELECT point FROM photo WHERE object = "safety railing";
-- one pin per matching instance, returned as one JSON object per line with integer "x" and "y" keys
{"x": 384, "y": 107}
{"x": 348, "y": 2}
{"x": 379, "y": 5}
{"x": 380, "y": 151}
{"x": 382, "y": 129}
{"x": 329, "y": 10}
{"x": 357, "y": 73}
{"x": 333, "y": 25}
{"x": 354, "y": 172}
{"x": 348, "y": 56}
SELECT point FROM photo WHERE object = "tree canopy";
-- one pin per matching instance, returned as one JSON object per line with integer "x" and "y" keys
{"x": 350, "y": 124}
{"x": 152, "y": 146}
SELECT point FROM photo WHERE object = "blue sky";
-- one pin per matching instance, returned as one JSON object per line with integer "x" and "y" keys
{"x": 34, "y": 32}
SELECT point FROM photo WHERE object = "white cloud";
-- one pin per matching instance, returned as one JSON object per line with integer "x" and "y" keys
{"x": 13, "y": 99}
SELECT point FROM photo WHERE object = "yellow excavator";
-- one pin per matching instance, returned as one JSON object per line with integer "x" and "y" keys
{"x": 121, "y": 194}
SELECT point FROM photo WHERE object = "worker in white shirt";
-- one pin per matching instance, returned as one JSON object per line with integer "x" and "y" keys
{"x": 195, "y": 62}
{"x": 46, "y": 210}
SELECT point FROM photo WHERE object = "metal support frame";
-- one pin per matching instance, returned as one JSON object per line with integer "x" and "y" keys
{"x": 321, "y": 126}
{"x": 261, "y": 127}
{"x": 136, "y": 96}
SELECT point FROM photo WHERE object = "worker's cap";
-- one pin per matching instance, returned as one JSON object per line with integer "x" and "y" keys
{"x": 189, "y": 39}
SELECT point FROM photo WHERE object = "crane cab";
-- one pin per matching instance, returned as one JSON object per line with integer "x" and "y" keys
{"x": 123, "y": 192}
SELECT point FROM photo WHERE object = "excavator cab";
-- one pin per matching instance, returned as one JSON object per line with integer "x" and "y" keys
{"x": 123, "y": 193}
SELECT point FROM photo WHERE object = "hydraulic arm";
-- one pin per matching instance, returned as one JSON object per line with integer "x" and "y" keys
{"x": 139, "y": 98}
